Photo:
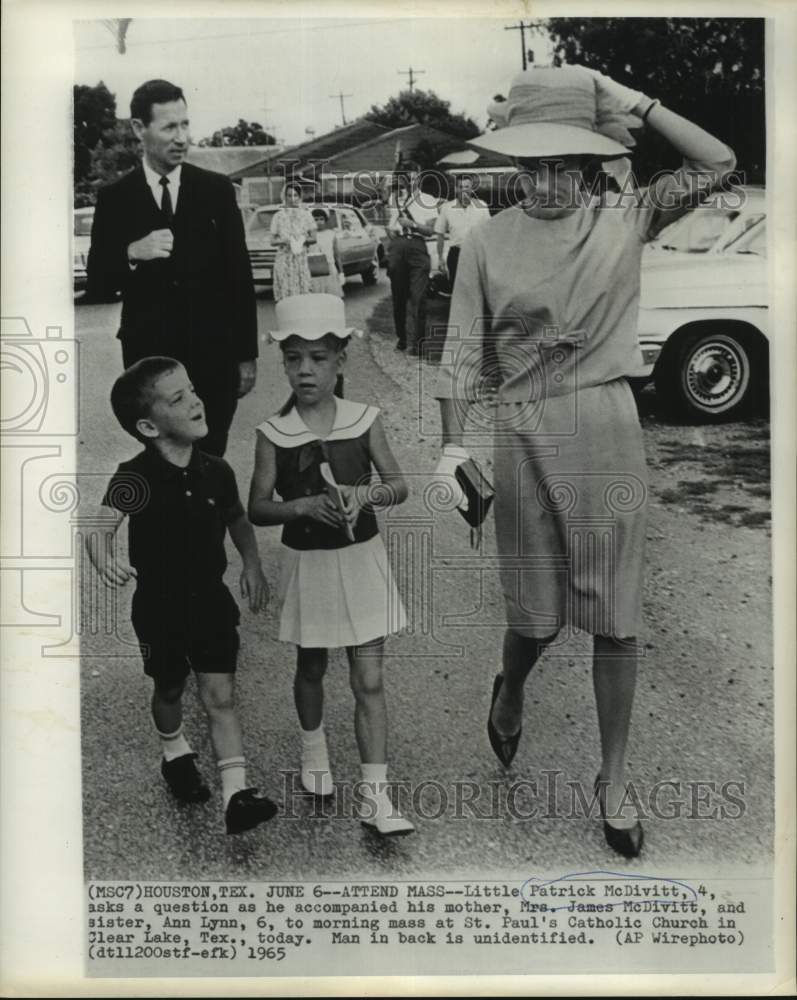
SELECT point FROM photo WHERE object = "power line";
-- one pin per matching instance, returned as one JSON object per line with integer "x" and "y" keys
{"x": 341, "y": 96}
{"x": 521, "y": 27}
{"x": 410, "y": 73}
{"x": 249, "y": 34}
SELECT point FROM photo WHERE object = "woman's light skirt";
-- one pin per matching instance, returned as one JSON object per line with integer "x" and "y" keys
{"x": 571, "y": 512}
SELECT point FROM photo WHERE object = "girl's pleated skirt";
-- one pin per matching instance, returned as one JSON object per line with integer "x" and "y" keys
{"x": 339, "y": 597}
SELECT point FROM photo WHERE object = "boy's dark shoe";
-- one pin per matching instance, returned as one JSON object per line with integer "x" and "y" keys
{"x": 184, "y": 780}
{"x": 246, "y": 810}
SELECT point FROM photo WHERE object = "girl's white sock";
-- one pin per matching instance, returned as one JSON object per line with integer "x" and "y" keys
{"x": 316, "y": 775}
{"x": 374, "y": 789}
{"x": 313, "y": 738}
{"x": 374, "y": 774}
{"x": 174, "y": 744}
{"x": 233, "y": 777}
{"x": 377, "y": 808}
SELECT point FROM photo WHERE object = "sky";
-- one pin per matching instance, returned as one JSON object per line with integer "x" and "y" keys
{"x": 231, "y": 69}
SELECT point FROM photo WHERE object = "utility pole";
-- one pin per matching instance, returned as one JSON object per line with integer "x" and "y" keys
{"x": 340, "y": 97}
{"x": 521, "y": 27}
{"x": 266, "y": 125}
{"x": 411, "y": 73}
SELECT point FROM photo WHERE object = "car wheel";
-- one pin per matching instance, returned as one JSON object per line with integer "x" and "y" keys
{"x": 713, "y": 375}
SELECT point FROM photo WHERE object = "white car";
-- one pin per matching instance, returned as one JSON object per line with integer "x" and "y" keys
{"x": 358, "y": 245}
{"x": 703, "y": 308}
{"x": 81, "y": 241}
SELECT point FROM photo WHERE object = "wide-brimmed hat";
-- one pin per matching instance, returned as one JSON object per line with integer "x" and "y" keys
{"x": 311, "y": 317}
{"x": 556, "y": 111}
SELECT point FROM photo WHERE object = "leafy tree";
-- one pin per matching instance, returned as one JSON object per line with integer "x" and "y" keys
{"x": 710, "y": 70}
{"x": 424, "y": 107}
{"x": 115, "y": 154}
{"x": 243, "y": 134}
{"x": 94, "y": 113}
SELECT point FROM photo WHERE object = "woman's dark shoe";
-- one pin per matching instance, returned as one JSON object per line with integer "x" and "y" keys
{"x": 626, "y": 842}
{"x": 504, "y": 747}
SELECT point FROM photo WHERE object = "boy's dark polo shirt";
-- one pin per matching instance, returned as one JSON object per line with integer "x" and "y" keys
{"x": 177, "y": 525}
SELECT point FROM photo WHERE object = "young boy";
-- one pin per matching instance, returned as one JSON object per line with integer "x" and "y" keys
{"x": 180, "y": 503}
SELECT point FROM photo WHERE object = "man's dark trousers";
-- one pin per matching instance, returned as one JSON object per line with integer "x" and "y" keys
{"x": 408, "y": 270}
{"x": 197, "y": 306}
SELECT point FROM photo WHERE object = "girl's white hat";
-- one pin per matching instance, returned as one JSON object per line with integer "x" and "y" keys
{"x": 556, "y": 111}
{"x": 311, "y": 317}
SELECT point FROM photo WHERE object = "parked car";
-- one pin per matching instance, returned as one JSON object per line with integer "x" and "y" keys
{"x": 358, "y": 243}
{"x": 703, "y": 309}
{"x": 81, "y": 241}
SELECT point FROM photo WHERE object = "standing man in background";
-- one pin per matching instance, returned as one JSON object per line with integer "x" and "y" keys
{"x": 455, "y": 220}
{"x": 169, "y": 236}
{"x": 411, "y": 223}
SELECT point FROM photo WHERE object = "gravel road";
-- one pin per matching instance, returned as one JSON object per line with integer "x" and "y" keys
{"x": 704, "y": 705}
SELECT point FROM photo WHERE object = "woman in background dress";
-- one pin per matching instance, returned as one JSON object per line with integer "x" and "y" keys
{"x": 292, "y": 230}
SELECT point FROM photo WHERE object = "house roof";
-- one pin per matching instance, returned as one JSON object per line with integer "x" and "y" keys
{"x": 331, "y": 144}
{"x": 381, "y": 153}
{"x": 232, "y": 161}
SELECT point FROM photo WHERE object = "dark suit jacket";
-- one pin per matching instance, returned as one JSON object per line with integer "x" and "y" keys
{"x": 199, "y": 305}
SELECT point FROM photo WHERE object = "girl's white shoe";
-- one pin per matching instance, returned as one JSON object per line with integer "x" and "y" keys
{"x": 317, "y": 777}
{"x": 378, "y": 813}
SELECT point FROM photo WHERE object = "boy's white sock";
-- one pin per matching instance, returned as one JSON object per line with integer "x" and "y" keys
{"x": 233, "y": 777}
{"x": 174, "y": 744}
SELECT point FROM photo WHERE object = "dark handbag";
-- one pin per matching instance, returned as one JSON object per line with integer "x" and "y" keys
{"x": 318, "y": 264}
{"x": 479, "y": 493}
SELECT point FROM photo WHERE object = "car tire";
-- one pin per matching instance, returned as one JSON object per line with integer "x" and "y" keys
{"x": 713, "y": 374}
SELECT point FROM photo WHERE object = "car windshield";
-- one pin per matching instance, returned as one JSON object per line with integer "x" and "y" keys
{"x": 698, "y": 231}
{"x": 83, "y": 224}
{"x": 753, "y": 238}
{"x": 260, "y": 223}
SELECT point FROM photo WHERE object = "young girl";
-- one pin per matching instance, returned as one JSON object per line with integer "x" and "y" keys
{"x": 337, "y": 586}
{"x": 327, "y": 243}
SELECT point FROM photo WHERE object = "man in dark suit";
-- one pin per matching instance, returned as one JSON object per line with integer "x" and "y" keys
{"x": 169, "y": 237}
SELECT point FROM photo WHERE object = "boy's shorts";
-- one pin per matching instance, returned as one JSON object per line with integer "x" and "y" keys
{"x": 206, "y": 640}
{"x": 168, "y": 660}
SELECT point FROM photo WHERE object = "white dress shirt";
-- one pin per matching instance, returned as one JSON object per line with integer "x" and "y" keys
{"x": 457, "y": 220}
{"x": 153, "y": 179}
